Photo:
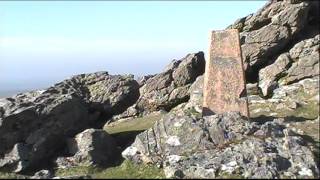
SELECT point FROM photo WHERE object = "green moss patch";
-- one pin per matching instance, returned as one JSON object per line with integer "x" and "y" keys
{"x": 4, "y": 175}
{"x": 125, "y": 171}
{"x": 133, "y": 124}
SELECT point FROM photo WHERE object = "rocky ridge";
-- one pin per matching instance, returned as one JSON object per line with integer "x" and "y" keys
{"x": 280, "y": 48}
{"x": 168, "y": 89}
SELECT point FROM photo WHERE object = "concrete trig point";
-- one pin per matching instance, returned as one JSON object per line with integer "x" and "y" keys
{"x": 224, "y": 80}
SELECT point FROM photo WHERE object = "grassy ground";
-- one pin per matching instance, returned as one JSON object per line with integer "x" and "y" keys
{"x": 7, "y": 176}
{"x": 125, "y": 171}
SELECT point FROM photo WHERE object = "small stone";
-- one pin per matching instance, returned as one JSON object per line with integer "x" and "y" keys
{"x": 42, "y": 174}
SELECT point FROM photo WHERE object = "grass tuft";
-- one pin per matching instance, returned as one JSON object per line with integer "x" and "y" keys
{"x": 127, "y": 170}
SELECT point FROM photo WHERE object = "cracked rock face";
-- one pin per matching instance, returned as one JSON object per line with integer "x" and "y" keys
{"x": 305, "y": 56}
{"x": 170, "y": 88}
{"x": 223, "y": 146}
{"x": 271, "y": 29}
{"x": 269, "y": 74}
{"x": 35, "y": 125}
{"x": 302, "y": 61}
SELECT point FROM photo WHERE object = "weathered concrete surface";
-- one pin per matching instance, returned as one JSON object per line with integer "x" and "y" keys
{"x": 224, "y": 80}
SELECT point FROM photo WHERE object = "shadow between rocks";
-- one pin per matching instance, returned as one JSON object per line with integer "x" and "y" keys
{"x": 262, "y": 119}
{"x": 294, "y": 119}
{"x": 123, "y": 140}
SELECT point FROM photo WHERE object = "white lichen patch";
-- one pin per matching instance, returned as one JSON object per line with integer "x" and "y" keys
{"x": 173, "y": 141}
{"x": 3, "y": 102}
{"x": 129, "y": 152}
{"x": 174, "y": 158}
{"x": 305, "y": 172}
{"x": 229, "y": 167}
{"x": 273, "y": 114}
{"x": 179, "y": 123}
{"x": 41, "y": 91}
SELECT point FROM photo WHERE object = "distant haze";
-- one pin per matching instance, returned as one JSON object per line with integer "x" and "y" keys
{"x": 44, "y": 42}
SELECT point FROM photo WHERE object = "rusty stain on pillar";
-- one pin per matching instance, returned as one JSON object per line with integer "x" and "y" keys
{"x": 224, "y": 80}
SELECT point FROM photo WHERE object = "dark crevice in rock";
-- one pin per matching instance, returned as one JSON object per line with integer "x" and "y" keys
{"x": 123, "y": 140}
{"x": 252, "y": 73}
{"x": 175, "y": 103}
{"x": 297, "y": 80}
{"x": 262, "y": 119}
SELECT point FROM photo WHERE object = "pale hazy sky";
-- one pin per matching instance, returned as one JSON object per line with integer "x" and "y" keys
{"x": 45, "y": 42}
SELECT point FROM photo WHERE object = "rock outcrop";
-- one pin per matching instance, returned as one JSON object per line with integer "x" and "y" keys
{"x": 90, "y": 147}
{"x": 302, "y": 61}
{"x": 224, "y": 145}
{"x": 280, "y": 48}
{"x": 273, "y": 30}
{"x": 170, "y": 88}
{"x": 35, "y": 125}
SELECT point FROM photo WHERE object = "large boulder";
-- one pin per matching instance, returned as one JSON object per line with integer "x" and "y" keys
{"x": 222, "y": 146}
{"x": 90, "y": 147}
{"x": 170, "y": 88}
{"x": 272, "y": 30}
{"x": 302, "y": 61}
{"x": 34, "y": 125}
{"x": 280, "y": 49}
{"x": 269, "y": 75}
{"x": 305, "y": 57}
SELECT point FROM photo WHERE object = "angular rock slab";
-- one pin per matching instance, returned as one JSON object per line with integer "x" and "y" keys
{"x": 224, "y": 80}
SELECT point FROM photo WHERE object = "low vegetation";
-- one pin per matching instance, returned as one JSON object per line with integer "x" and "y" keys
{"x": 4, "y": 175}
{"x": 124, "y": 171}
{"x": 135, "y": 124}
